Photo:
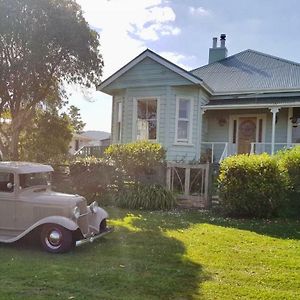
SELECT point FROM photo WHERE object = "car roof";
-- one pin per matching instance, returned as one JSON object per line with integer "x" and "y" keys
{"x": 24, "y": 167}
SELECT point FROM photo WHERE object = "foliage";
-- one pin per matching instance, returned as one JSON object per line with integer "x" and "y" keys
{"x": 44, "y": 44}
{"x": 48, "y": 139}
{"x": 251, "y": 186}
{"x": 289, "y": 163}
{"x": 142, "y": 196}
{"x": 92, "y": 177}
{"x": 137, "y": 160}
{"x": 75, "y": 118}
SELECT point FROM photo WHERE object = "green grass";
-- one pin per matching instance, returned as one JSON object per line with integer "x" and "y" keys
{"x": 161, "y": 255}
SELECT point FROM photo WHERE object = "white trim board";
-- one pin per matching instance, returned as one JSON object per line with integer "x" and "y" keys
{"x": 190, "y": 129}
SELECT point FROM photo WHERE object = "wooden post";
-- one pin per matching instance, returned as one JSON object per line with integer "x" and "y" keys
{"x": 168, "y": 178}
{"x": 187, "y": 181}
{"x": 274, "y": 111}
{"x": 207, "y": 185}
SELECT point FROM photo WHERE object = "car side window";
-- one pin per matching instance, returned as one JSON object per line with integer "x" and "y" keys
{"x": 6, "y": 182}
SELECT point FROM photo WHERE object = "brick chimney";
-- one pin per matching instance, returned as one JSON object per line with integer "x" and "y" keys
{"x": 217, "y": 53}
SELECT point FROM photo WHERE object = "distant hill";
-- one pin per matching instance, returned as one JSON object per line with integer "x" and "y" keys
{"x": 96, "y": 134}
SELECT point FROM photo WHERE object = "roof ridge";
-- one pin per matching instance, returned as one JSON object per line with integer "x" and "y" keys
{"x": 228, "y": 57}
{"x": 249, "y": 50}
{"x": 274, "y": 57}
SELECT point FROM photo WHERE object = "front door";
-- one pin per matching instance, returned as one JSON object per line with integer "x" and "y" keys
{"x": 244, "y": 130}
{"x": 247, "y": 133}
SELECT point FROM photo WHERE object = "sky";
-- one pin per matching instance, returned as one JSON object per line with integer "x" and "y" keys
{"x": 182, "y": 31}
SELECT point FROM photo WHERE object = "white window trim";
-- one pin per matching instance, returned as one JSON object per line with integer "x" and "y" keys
{"x": 189, "y": 139}
{"x": 119, "y": 120}
{"x": 134, "y": 118}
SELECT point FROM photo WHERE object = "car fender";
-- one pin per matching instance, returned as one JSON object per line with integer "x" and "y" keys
{"x": 59, "y": 220}
{"x": 96, "y": 218}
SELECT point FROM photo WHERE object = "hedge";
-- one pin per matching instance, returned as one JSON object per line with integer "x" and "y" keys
{"x": 252, "y": 186}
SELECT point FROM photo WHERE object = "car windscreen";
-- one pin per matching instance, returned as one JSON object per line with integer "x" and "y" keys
{"x": 34, "y": 179}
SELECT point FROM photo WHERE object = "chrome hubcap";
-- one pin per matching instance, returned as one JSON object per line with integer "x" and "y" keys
{"x": 54, "y": 238}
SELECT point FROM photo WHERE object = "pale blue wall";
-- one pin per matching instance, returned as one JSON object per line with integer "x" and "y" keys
{"x": 148, "y": 73}
{"x": 150, "y": 79}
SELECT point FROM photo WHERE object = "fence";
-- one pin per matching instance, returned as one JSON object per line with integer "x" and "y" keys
{"x": 191, "y": 182}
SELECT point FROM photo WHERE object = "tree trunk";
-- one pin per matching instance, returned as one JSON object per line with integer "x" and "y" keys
{"x": 14, "y": 143}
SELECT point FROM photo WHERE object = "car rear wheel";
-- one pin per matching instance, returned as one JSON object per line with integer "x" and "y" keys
{"x": 56, "y": 239}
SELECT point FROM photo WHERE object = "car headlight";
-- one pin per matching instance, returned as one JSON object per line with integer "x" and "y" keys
{"x": 76, "y": 212}
{"x": 93, "y": 207}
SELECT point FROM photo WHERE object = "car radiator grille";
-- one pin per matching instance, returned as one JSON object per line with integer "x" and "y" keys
{"x": 83, "y": 220}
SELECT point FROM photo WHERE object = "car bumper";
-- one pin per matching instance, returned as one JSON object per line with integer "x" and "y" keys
{"x": 94, "y": 237}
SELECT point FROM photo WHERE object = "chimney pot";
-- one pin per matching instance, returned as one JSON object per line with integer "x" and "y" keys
{"x": 215, "y": 40}
{"x": 217, "y": 53}
{"x": 223, "y": 39}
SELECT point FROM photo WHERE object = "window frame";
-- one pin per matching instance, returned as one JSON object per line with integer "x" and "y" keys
{"x": 7, "y": 192}
{"x": 135, "y": 116}
{"x": 119, "y": 119}
{"x": 188, "y": 140}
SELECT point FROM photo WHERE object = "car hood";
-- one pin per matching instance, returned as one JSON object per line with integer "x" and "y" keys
{"x": 52, "y": 197}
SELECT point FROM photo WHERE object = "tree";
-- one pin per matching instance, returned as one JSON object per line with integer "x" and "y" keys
{"x": 75, "y": 119}
{"x": 43, "y": 44}
{"x": 47, "y": 140}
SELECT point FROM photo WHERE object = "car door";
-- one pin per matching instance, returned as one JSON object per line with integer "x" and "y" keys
{"x": 7, "y": 204}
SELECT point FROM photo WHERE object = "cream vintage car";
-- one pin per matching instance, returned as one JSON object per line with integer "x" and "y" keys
{"x": 28, "y": 205}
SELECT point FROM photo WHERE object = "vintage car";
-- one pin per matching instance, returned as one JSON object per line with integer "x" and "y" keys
{"x": 28, "y": 205}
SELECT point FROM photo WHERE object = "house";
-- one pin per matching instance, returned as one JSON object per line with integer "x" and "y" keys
{"x": 89, "y": 143}
{"x": 78, "y": 142}
{"x": 245, "y": 103}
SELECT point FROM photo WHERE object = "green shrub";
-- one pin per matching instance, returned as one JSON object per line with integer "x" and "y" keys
{"x": 289, "y": 163}
{"x": 141, "y": 161}
{"x": 149, "y": 197}
{"x": 251, "y": 186}
{"x": 92, "y": 177}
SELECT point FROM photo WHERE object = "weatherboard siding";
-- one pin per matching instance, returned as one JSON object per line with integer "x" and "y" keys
{"x": 148, "y": 73}
{"x": 166, "y": 96}
{"x": 191, "y": 151}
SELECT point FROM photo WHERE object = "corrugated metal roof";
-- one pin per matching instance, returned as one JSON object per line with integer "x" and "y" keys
{"x": 250, "y": 71}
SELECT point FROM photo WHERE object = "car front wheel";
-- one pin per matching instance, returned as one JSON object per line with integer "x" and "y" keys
{"x": 56, "y": 239}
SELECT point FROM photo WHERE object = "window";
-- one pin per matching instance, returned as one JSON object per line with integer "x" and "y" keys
{"x": 6, "y": 182}
{"x": 119, "y": 121}
{"x": 34, "y": 179}
{"x": 183, "y": 120}
{"x": 147, "y": 119}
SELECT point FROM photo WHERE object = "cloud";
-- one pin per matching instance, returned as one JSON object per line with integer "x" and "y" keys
{"x": 126, "y": 26}
{"x": 199, "y": 11}
{"x": 154, "y": 22}
{"x": 178, "y": 59}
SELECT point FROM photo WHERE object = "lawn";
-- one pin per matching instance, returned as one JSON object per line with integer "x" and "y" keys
{"x": 163, "y": 255}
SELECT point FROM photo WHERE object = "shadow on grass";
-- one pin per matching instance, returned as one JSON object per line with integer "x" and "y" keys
{"x": 153, "y": 265}
{"x": 131, "y": 263}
